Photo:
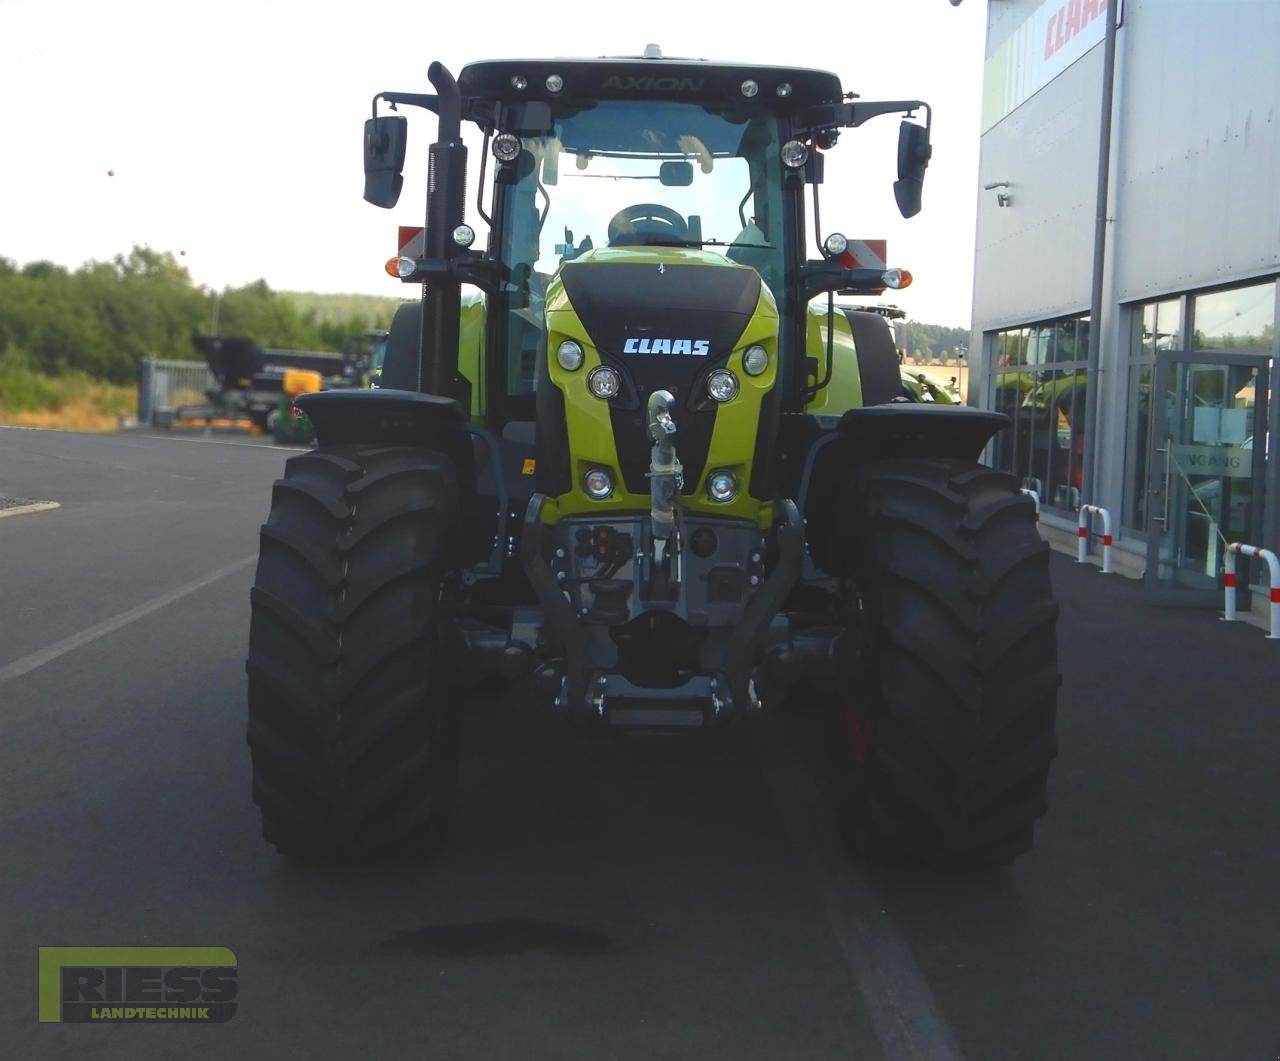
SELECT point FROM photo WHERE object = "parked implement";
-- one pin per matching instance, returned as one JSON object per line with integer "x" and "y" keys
{"x": 650, "y": 464}
{"x": 251, "y": 380}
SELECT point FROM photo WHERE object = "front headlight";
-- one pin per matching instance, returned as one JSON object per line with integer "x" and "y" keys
{"x": 755, "y": 360}
{"x": 604, "y": 382}
{"x": 569, "y": 355}
{"x": 722, "y": 385}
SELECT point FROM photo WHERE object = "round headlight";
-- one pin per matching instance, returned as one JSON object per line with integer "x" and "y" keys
{"x": 794, "y": 154}
{"x": 569, "y": 354}
{"x": 750, "y": 88}
{"x": 722, "y": 486}
{"x": 554, "y": 83}
{"x": 464, "y": 235}
{"x": 755, "y": 360}
{"x": 406, "y": 267}
{"x": 896, "y": 278}
{"x": 598, "y": 484}
{"x": 604, "y": 382}
{"x": 722, "y": 385}
{"x": 835, "y": 244}
{"x": 519, "y": 83}
{"x": 506, "y": 147}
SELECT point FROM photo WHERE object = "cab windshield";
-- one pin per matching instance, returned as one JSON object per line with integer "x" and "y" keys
{"x": 644, "y": 173}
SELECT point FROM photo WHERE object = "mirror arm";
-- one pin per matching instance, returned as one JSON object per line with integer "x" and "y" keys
{"x": 854, "y": 114}
{"x": 409, "y": 99}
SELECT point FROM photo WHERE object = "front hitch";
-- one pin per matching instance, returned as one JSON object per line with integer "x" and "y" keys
{"x": 666, "y": 474}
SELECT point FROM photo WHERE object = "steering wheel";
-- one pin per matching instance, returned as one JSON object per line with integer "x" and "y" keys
{"x": 632, "y": 224}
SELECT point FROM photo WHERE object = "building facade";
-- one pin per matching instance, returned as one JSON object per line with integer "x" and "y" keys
{"x": 1184, "y": 452}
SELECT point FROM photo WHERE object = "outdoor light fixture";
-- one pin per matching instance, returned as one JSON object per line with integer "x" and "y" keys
{"x": 896, "y": 278}
{"x": 464, "y": 235}
{"x": 598, "y": 484}
{"x": 755, "y": 360}
{"x": 794, "y": 154}
{"x": 722, "y": 486}
{"x": 750, "y": 88}
{"x": 604, "y": 382}
{"x": 554, "y": 83}
{"x": 835, "y": 244}
{"x": 569, "y": 356}
{"x": 406, "y": 267}
{"x": 784, "y": 90}
{"x": 519, "y": 83}
{"x": 506, "y": 147}
{"x": 722, "y": 385}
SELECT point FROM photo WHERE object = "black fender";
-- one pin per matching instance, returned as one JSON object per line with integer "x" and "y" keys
{"x": 878, "y": 432}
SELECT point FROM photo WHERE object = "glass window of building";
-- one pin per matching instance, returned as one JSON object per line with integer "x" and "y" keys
{"x": 1243, "y": 318}
{"x": 1039, "y": 382}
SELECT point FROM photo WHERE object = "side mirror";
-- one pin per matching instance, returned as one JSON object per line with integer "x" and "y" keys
{"x": 914, "y": 152}
{"x": 384, "y": 147}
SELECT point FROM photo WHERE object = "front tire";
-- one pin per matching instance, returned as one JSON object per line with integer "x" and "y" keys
{"x": 949, "y": 733}
{"x": 354, "y": 747}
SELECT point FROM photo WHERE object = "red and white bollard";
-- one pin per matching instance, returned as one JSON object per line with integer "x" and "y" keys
{"x": 1229, "y": 583}
{"x": 1083, "y": 532}
{"x": 1034, "y": 497}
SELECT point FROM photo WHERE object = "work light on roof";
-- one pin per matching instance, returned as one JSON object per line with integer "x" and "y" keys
{"x": 554, "y": 83}
{"x": 784, "y": 90}
{"x": 750, "y": 88}
{"x": 519, "y": 82}
{"x": 464, "y": 235}
{"x": 835, "y": 244}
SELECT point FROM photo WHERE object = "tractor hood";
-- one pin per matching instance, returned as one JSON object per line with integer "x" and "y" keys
{"x": 664, "y": 318}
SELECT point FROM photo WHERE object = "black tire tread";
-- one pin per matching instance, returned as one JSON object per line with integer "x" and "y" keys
{"x": 353, "y": 745}
{"x": 959, "y": 662}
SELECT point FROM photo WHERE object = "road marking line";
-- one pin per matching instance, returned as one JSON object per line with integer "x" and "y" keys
{"x": 26, "y": 664}
{"x": 35, "y": 506}
{"x": 904, "y": 1016}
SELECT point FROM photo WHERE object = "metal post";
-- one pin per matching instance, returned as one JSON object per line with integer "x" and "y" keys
{"x": 1099, "y": 256}
{"x": 1034, "y": 497}
{"x": 1229, "y": 583}
{"x": 1083, "y": 532}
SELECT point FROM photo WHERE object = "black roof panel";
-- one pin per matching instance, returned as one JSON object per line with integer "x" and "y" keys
{"x": 638, "y": 78}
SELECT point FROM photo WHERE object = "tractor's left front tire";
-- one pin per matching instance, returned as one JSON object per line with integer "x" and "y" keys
{"x": 948, "y": 720}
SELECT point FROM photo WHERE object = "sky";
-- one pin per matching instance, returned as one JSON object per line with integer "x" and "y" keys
{"x": 229, "y": 133}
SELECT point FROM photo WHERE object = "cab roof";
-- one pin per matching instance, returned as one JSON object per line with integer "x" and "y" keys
{"x": 634, "y": 77}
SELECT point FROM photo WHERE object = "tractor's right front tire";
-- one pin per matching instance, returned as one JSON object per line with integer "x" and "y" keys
{"x": 353, "y": 739}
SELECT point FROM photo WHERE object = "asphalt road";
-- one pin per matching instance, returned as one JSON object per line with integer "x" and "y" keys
{"x": 638, "y": 898}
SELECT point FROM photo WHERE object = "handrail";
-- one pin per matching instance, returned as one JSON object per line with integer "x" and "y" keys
{"x": 1083, "y": 532}
{"x": 1229, "y": 583}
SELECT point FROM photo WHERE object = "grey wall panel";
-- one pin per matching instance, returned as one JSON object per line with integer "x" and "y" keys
{"x": 1198, "y": 196}
{"x": 1033, "y": 257}
{"x": 1004, "y": 17}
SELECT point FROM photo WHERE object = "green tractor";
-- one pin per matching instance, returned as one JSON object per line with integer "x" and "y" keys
{"x": 648, "y": 469}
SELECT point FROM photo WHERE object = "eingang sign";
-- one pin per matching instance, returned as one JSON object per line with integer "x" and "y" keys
{"x": 1054, "y": 37}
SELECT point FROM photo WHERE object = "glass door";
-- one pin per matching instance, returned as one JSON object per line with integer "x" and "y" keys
{"x": 1205, "y": 483}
